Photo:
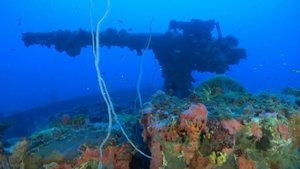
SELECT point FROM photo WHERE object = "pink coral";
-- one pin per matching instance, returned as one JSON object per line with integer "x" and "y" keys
{"x": 194, "y": 119}
{"x": 244, "y": 163}
{"x": 118, "y": 157}
{"x": 194, "y": 122}
{"x": 283, "y": 130}
{"x": 88, "y": 154}
{"x": 196, "y": 113}
{"x": 256, "y": 131}
{"x": 64, "y": 166}
{"x": 232, "y": 126}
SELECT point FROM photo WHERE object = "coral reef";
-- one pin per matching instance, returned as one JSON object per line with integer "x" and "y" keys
{"x": 192, "y": 133}
{"x": 256, "y": 129}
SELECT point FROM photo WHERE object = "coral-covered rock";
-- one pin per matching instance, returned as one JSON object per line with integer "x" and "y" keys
{"x": 118, "y": 157}
{"x": 18, "y": 155}
{"x": 172, "y": 136}
{"x": 219, "y": 138}
{"x": 157, "y": 156}
{"x": 114, "y": 157}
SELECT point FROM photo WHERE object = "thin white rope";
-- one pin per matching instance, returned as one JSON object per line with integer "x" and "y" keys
{"x": 96, "y": 53}
{"x": 141, "y": 66}
{"x": 102, "y": 85}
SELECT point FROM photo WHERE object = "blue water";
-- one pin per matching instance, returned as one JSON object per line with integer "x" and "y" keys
{"x": 35, "y": 76}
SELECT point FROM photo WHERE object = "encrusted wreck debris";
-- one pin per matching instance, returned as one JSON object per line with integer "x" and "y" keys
{"x": 183, "y": 48}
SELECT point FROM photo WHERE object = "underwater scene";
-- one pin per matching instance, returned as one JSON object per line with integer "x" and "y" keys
{"x": 150, "y": 84}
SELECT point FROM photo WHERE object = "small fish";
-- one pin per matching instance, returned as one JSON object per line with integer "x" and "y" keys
{"x": 268, "y": 114}
{"x": 120, "y": 21}
{"x": 124, "y": 79}
{"x": 129, "y": 29}
{"x": 197, "y": 53}
{"x": 295, "y": 70}
{"x": 284, "y": 64}
{"x": 177, "y": 51}
{"x": 19, "y": 20}
{"x": 282, "y": 53}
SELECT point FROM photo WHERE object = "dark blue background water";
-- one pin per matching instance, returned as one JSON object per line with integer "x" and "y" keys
{"x": 29, "y": 77}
